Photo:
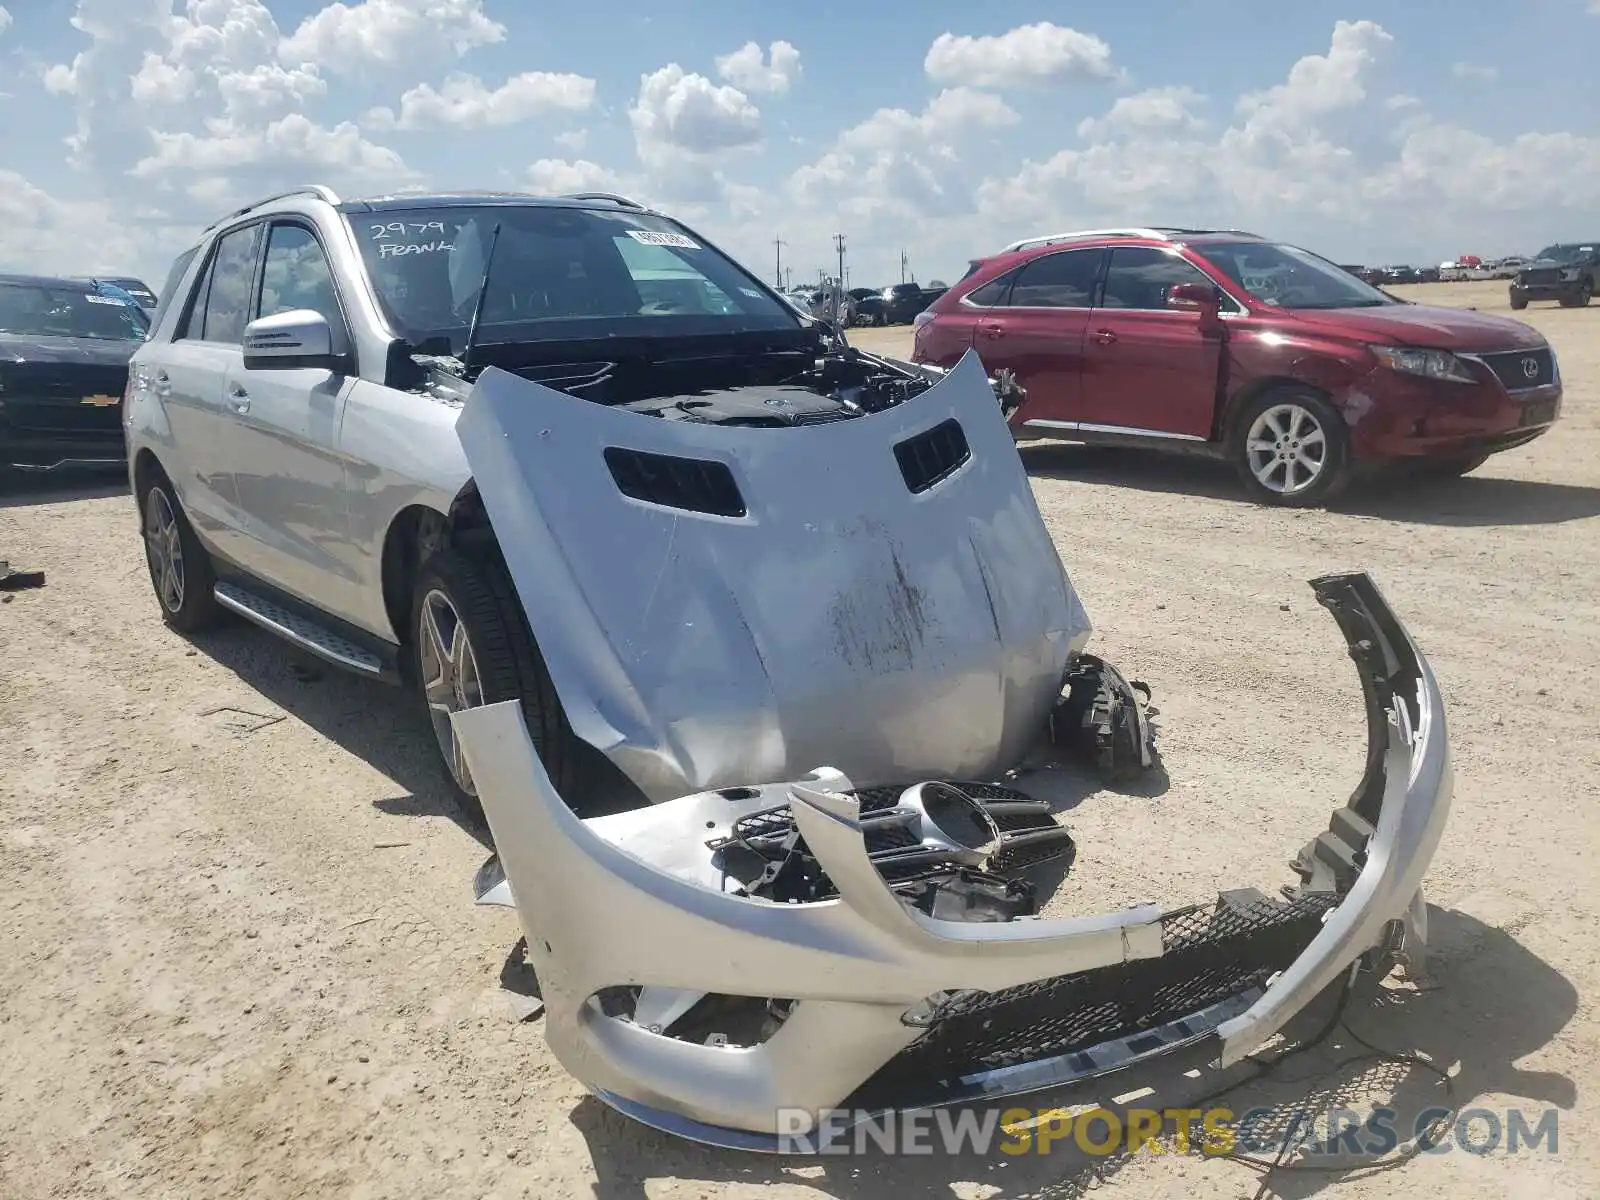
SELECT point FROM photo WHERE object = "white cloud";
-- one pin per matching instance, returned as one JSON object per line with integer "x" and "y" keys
{"x": 40, "y": 232}
{"x": 1162, "y": 108}
{"x": 280, "y": 147}
{"x": 559, "y": 176}
{"x": 161, "y": 82}
{"x": 5, "y": 20}
{"x": 1476, "y": 72}
{"x": 903, "y": 164}
{"x": 346, "y": 38}
{"x": 746, "y": 68}
{"x": 573, "y": 139}
{"x": 1028, "y": 54}
{"x": 679, "y": 112}
{"x": 464, "y": 102}
{"x": 1315, "y": 159}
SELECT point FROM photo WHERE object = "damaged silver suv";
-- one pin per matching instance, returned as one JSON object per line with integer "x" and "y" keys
{"x": 291, "y": 418}
{"x": 598, "y": 495}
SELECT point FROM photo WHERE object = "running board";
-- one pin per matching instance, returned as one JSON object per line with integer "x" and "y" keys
{"x": 303, "y": 632}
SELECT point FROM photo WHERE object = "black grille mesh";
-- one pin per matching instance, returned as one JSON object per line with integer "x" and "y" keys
{"x": 1211, "y": 955}
{"x": 697, "y": 485}
{"x": 1510, "y": 369}
{"x": 932, "y": 455}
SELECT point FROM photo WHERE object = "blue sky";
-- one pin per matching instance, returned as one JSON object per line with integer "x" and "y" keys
{"x": 1413, "y": 130}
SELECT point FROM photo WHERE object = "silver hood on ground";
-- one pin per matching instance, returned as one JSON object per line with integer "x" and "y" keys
{"x": 822, "y": 612}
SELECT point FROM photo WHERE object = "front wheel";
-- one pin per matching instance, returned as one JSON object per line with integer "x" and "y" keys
{"x": 1291, "y": 448}
{"x": 470, "y": 646}
{"x": 180, "y": 569}
{"x": 1579, "y": 298}
{"x": 1518, "y": 303}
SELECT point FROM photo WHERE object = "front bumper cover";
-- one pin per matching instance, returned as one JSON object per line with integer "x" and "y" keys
{"x": 892, "y": 1009}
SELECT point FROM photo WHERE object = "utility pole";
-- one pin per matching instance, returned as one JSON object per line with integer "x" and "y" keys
{"x": 902, "y": 266}
{"x": 838, "y": 295}
{"x": 788, "y": 279}
{"x": 778, "y": 244}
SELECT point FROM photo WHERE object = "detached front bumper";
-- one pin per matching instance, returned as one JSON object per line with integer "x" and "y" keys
{"x": 883, "y": 1007}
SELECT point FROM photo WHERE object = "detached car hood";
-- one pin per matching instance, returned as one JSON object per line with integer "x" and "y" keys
{"x": 1426, "y": 326}
{"x": 721, "y": 605}
{"x": 102, "y": 352}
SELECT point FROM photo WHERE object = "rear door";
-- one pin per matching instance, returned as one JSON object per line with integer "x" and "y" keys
{"x": 188, "y": 375}
{"x": 1148, "y": 368}
{"x": 288, "y": 476}
{"x": 1036, "y": 329}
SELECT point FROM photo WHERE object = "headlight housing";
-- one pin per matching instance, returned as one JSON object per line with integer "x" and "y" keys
{"x": 1430, "y": 364}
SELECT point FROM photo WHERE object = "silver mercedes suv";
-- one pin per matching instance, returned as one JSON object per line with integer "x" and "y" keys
{"x": 291, "y": 421}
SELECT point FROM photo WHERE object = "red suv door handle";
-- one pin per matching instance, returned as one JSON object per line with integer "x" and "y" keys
{"x": 993, "y": 331}
{"x": 1104, "y": 336}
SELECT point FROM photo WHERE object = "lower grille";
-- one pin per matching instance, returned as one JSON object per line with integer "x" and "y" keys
{"x": 1210, "y": 956}
{"x": 1540, "y": 278}
{"x": 1519, "y": 370}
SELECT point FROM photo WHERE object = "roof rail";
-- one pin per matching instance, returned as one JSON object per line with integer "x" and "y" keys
{"x": 1165, "y": 233}
{"x": 326, "y": 194}
{"x": 623, "y": 201}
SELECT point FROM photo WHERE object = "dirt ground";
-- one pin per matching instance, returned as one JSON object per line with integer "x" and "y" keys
{"x": 238, "y": 953}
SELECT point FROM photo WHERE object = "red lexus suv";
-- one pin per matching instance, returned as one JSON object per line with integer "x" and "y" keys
{"x": 1223, "y": 343}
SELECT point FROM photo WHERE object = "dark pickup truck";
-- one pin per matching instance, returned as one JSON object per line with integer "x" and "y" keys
{"x": 1568, "y": 272}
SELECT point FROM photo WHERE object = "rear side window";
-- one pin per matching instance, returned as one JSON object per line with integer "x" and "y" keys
{"x": 174, "y": 277}
{"x": 222, "y": 304}
{"x": 994, "y": 293}
{"x": 1141, "y": 276}
{"x": 1063, "y": 280}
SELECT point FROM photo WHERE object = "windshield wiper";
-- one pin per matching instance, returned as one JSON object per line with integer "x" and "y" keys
{"x": 483, "y": 298}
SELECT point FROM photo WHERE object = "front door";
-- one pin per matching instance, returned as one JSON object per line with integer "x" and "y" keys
{"x": 1036, "y": 330}
{"x": 288, "y": 476}
{"x": 1146, "y": 367}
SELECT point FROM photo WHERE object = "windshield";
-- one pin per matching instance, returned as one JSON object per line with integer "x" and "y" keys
{"x": 1289, "y": 277}
{"x": 558, "y": 273}
{"x": 39, "y": 310}
{"x": 1565, "y": 254}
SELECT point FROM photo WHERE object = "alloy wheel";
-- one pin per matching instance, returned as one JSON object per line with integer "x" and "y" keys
{"x": 450, "y": 680}
{"x": 163, "y": 549}
{"x": 1287, "y": 449}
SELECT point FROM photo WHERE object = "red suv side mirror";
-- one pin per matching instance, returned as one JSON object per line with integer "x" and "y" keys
{"x": 1194, "y": 297}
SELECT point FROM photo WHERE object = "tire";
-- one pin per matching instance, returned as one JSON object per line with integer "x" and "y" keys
{"x": 1273, "y": 448}
{"x": 181, "y": 573}
{"x": 1518, "y": 303}
{"x": 455, "y": 594}
{"x": 1581, "y": 297}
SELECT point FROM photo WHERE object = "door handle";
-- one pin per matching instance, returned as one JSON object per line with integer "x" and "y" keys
{"x": 994, "y": 331}
{"x": 239, "y": 399}
{"x": 1103, "y": 336}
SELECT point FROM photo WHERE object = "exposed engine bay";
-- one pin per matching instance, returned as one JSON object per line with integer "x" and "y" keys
{"x": 763, "y": 389}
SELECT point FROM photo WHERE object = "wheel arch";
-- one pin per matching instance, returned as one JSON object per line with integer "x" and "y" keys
{"x": 417, "y": 531}
{"x": 1228, "y": 418}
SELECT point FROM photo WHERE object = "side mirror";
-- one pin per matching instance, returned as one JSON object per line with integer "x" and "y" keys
{"x": 1194, "y": 297}
{"x": 289, "y": 341}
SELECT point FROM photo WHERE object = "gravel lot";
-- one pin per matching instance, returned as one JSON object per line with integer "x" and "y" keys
{"x": 238, "y": 954}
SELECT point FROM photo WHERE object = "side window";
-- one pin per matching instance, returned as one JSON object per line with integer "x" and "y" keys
{"x": 295, "y": 275}
{"x": 1140, "y": 276}
{"x": 169, "y": 290}
{"x": 227, "y": 290}
{"x": 1064, "y": 280}
{"x": 993, "y": 294}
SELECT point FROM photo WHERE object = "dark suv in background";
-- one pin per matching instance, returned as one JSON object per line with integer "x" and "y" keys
{"x": 1568, "y": 272}
{"x": 1227, "y": 344}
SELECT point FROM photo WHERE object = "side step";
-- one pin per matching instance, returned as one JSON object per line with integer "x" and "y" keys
{"x": 293, "y": 627}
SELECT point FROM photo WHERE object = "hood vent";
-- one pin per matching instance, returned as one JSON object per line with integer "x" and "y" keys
{"x": 932, "y": 455}
{"x": 692, "y": 484}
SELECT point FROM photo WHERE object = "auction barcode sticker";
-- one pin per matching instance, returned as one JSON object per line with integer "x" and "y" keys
{"x": 651, "y": 238}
